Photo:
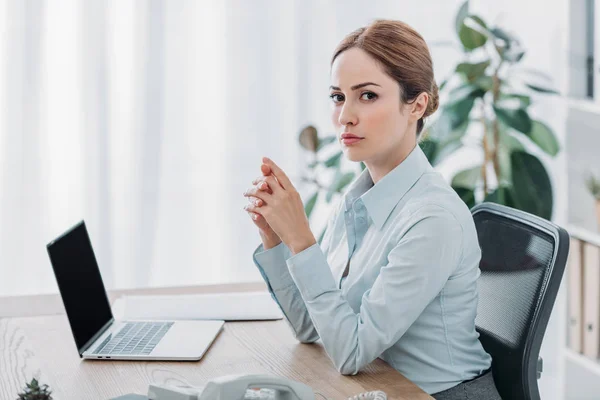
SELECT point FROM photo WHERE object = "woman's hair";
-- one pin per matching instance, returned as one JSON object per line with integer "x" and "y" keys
{"x": 404, "y": 56}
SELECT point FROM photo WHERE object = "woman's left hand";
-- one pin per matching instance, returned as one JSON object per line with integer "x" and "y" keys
{"x": 283, "y": 210}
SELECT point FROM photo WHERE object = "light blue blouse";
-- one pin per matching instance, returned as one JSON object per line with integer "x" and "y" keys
{"x": 410, "y": 295}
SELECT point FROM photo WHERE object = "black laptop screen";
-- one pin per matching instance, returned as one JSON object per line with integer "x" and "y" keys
{"x": 80, "y": 283}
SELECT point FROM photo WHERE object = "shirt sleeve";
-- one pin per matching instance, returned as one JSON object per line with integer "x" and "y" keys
{"x": 417, "y": 268}
{"x": 272, "y": 266}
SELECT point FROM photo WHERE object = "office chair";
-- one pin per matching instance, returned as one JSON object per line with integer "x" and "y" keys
{"x": 522, "y": 263}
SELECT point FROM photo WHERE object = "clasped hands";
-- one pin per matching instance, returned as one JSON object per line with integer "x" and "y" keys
{"x": 277, "y": 209}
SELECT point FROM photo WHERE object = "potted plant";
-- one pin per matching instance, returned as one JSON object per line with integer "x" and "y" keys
{"x": 487, "y": 106}
{"x": 33, "y": 391}
{"x": 593, "y": 185}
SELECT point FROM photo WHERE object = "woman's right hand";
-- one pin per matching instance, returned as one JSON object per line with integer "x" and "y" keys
{"x": 269, "y": 237}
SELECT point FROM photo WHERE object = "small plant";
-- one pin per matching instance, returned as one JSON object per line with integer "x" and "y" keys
{"x": 33, "y": 391}
{"x": 593, "y": 185}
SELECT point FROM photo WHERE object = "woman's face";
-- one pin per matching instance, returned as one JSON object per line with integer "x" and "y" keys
{"x": 366, "y": 103}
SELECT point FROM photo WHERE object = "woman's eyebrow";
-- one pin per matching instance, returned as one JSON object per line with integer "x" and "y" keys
{"x": 360, "y": 85}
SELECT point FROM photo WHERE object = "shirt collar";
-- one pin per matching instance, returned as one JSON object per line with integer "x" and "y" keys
{"x": 381, "y": 198}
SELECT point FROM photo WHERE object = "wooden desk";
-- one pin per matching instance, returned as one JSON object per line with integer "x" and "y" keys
{"x": 43, "y": 346}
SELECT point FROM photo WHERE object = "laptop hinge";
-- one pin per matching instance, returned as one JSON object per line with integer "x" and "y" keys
{"x": 89, "y": 343}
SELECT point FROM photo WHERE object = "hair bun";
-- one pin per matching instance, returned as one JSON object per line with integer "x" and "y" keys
{"x": 434, "y": 100}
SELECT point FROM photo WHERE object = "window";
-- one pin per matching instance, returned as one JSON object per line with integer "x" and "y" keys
{"x": 589, "y": 33}
{"x": 584, "y": 50}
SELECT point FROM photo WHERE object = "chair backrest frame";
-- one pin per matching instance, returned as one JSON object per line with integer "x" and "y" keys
{"x": 550, "y": 285}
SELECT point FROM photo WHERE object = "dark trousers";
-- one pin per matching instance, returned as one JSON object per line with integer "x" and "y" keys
{"x": 482, "y": 387}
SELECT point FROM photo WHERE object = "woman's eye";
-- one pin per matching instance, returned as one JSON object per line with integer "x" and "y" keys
{"x": 336, "y": 97}
{"x": 369, "y": 96}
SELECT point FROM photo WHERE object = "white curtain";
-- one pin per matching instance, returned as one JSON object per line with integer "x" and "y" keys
{"x": 148, "y": 119}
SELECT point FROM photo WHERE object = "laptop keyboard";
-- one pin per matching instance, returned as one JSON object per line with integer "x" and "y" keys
{"x": 136, "y": 338}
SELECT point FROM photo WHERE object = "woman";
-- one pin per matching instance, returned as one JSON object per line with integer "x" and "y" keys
{"x": 395, "y": 275}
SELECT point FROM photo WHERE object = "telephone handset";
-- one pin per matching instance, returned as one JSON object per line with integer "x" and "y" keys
{"x": 246, "y": 387}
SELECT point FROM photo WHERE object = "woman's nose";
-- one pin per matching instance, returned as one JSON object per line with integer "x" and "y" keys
{"x": 347, "y": 116}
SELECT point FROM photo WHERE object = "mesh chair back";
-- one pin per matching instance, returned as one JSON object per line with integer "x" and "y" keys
{"x": 522, "y": 263}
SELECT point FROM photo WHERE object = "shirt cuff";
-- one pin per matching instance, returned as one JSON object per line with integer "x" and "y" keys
{"x": 272, "y": 264}
{"x": 311, "y": 273}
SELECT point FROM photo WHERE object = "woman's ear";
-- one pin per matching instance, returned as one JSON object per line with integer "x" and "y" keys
{"x": 419, "y": 106}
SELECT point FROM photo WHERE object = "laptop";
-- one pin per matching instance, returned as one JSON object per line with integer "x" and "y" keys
{"x": 97, "y": 334}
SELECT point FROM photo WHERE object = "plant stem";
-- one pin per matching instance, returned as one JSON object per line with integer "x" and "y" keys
{"x": 495, "y": 125}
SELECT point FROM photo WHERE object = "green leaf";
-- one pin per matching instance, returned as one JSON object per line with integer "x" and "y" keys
{"x": 508, "y": 144}
{"x": 310, "y": 204}
{"x": 515, "y": 118}
{"x": 325, "y": 141}
{"x": 334, "y": 160}
{"x": 513, "y": 54}
{"x": 532, "y": 189}
{"x": 442, "y": 141}
{"x": 469, "y": 37}
{"x": 468, "y": 178}
{"x": 467, "y": 195}
{"x": 486, "y": 83}
{"x": 509, "y": 141}
{"x": 502, "y": 195}
{"x": 473, "y": 90}
{"x": 442, "y": 129}
{"x": 344, "y": 180}
{"x": 541, "y": 89}
{"x": 459, "y": 111}
{"x": 503, "y": 35}
{"x": 446, "y": 149}
{"x": 462, "y": 13}
{"x": 514, "y": 100}
{"x": 543, "y": 136}
{"x": 461, "y": 93}
{"x": 429, "y": 147}
{"x": 339, "y": 182}
{"x": 442, "y": 85}
{"x": 472, "y": 71}
{"x": 480, "y": 22}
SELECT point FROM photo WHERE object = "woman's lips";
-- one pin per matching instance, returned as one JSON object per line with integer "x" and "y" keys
{"x": 351, "y": 140}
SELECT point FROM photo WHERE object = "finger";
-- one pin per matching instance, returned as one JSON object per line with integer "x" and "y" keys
{"x": 253, "y": 215}
{"x": 265, "y": 169}
{"x": 265, "y": 182}
{"x": 258, "y": 180}
{"x": 282, "y": 178}
{"x": 262, "y": 185}
{"x": 252, "y": 208}
{"x": 272, "y": 183}
{"x": 261, "y": 194}
{"x": 256, "y": 201}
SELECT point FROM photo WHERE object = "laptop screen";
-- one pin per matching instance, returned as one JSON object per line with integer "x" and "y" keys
{"x": 80, "y": 283}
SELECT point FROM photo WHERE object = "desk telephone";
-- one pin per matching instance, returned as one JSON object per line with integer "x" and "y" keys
{"x": 247, "y": 387}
